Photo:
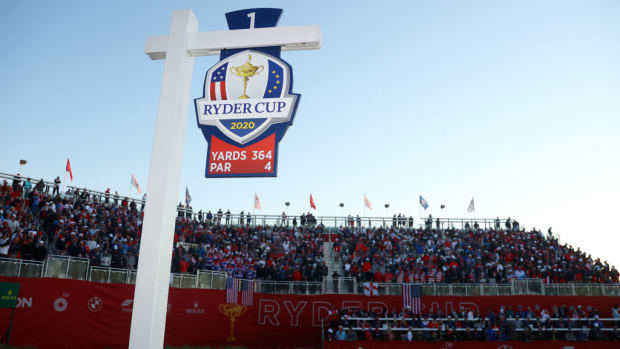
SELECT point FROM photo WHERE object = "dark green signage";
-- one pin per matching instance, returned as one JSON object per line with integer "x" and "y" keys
{"x": 8, "y": 294}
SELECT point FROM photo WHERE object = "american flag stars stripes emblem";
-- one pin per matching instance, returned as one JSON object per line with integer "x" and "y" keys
{"x": 217, "y": 90}
{"x": 412, "y": 297}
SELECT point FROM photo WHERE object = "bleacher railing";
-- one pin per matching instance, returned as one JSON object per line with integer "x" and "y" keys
{"x": 64, "y": 267}
{"x": 277, "y": 220}
{"x": 385, "y": 326}
{"x": 20, "y": 267}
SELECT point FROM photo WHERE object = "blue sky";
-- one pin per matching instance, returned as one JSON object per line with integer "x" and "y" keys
{"x": 516, "y": 104}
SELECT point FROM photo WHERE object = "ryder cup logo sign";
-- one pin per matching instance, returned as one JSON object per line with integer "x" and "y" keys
{"x": 245, "y": 94}
{"x": 247, "y": 104}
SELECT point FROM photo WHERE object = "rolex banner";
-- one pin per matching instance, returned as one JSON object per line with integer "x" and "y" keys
{"x": 80, "y": 314}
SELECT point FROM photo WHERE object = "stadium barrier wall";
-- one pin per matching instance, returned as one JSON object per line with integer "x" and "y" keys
{"x": 65, "y": 313}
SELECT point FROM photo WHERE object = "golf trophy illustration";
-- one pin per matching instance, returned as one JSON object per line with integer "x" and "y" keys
{"x": 246, "y": 71}
{"x": 232, "y": 311}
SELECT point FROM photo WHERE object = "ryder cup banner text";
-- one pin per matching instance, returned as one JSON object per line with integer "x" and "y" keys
{"x": 247, "y": 103}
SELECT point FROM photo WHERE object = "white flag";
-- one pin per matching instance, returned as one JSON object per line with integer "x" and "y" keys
{"x": 367, "y": 202}
{"x": 371, "y": 289}
{"x": 135, "y": 183}
{"x": 471, "y": 207}
{"x": 256, "y": 202}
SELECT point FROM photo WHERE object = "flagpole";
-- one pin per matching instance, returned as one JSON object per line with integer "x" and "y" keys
{"x": 64, "y": 180}
{"x": 474, "y": 208}
{"x": 419, "y": 212}
{"x": 129, "y": 194}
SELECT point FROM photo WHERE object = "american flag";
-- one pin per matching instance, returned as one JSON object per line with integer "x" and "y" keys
{"x": 247, "y": 292}
{"x": 232, "y": 290}
{"x": 218, "y": 84}
{"x": 412, "y": 297}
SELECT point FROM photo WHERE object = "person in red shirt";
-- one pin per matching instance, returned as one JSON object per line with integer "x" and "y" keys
{"x": 296, "y": 275}
{"x": 366, "y": 267}
{"x": 183, "y": 265}
{"x": 378, "y": 276}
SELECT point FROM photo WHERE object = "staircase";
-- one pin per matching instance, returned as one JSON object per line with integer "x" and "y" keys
{"x": 332, "y": 265}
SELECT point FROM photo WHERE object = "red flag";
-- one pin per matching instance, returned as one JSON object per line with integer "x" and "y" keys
{"x": 312, "y": 202}
{"x": 68, "y": 169}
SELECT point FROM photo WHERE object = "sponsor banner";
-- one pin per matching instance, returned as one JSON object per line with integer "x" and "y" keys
{"x": 8, "y": 294}
{"x": 57, "y": 313}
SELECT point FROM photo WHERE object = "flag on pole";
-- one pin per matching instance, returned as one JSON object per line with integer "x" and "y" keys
{"x": 371, "y": 289}
{"x": 135, "y": 183}
{"x": 232, "y": 290}
{"x": 256, "y": 202}
{"x": 188, "y": 198}
{"x": 423, "y": 202}
{"x": 68, "y": 169}
{"x": 312, "y": 202}
{"x": 247, "y": 292}
{"x": 412, "y": 297}
{"x": 471, "y": 207}
{"x": 367, "y": 202}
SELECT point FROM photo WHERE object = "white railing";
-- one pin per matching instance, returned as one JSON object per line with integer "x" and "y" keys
{"x": 212, "y": 279}
{"x": 20, "y": 267}
{"x": 290, "y": 287}
{"x": 65, "y": 267}
{"x": 545, "y": 327}
{"x": 80, "y": 269}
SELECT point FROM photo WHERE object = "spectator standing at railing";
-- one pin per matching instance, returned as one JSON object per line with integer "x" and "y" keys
{"x": 219, "y": 216}
{"x": 27, "y": 185}
{"x": 227, "y": 217}
{"x": 249, "y": 219}
{"x": 56, "y": 186}
{"x": 40, "y": 186}
{"x": 241, "y": 217}
{"x": 116, "y": 197}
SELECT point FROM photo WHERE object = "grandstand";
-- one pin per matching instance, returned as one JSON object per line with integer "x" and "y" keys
{"x": 84, "y": 234}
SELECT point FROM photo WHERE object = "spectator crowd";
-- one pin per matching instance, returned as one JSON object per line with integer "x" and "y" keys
{"x": 570, "y": 323}
{"x": 402, "y": 253}
{"x": 106, "y": 229}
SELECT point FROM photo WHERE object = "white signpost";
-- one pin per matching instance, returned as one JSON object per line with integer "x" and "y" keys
{"x": 179, "y": 48}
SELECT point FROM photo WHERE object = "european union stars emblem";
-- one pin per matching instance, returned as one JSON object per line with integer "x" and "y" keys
{"x": 274, "y": 82}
